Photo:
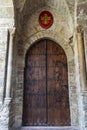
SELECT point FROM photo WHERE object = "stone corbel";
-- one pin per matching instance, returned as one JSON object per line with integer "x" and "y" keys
{"x": 81, "y": 54}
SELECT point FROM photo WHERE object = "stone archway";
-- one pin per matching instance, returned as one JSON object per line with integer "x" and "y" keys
{"x": 59, "y": 32}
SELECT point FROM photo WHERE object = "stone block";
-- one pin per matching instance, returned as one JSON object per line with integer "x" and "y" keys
{"x": 81, "y": 1}
{"x": 6, "y": 22}
{"x": 85, "y": 30}
{"x": 6, "y": 3}
{"x": 3, "y": 35}
{"x": 6, "y": 12}
{"x": 85, "y": 123}
{"x": 85, "y": 100}
{"x": 85, "y": 37}
{"x": 82, "y": 21}
{"x": 82, "y": 9}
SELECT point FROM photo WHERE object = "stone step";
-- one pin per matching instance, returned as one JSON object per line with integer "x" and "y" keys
{"x": 48, "y": 128}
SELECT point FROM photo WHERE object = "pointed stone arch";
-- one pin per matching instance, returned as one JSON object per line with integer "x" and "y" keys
{"x": 60, "y": 32}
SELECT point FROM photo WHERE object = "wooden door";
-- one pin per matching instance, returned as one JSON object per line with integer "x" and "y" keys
{"x": 46, "y": 99}
{"x": 57, "y": 86}
{"x": 35, "y": 86}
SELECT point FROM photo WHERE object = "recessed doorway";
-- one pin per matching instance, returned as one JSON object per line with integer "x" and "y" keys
{"x": 46, "y": 94}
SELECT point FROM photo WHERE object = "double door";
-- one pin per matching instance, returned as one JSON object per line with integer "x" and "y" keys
{"x": 46, "y": 96}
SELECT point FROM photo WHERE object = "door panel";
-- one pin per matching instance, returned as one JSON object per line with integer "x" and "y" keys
{"x": 35, "y": 86}
{"x": 46, "y": 98}
{"x": 57, "y": 85}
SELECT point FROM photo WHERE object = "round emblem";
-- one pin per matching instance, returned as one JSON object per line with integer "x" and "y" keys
{"x": 45, "y": 19}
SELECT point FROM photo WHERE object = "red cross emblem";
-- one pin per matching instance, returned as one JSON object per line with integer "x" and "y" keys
{"x": 45, "y": 19}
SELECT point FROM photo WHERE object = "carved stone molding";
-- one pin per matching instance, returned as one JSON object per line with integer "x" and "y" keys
{"x": 80, "y": 29}
{"x": 81, "y": 54}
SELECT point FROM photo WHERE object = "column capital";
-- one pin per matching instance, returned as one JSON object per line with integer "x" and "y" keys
{"x": 80, "y": 29}
{"x": 12, "y": 30}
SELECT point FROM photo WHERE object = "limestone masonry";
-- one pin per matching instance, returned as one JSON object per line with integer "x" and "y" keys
{"x": 19, "y": 29}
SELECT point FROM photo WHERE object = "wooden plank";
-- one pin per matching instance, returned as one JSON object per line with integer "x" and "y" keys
{"x": 34, "y": 113}
{"x": 57, "y": 84}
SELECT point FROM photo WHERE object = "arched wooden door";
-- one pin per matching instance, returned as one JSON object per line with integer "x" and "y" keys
{"x": 46, "y": 96}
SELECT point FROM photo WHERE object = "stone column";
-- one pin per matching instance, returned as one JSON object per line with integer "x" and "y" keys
{"x": 9, "y": 65}
{"x": 7, "y": 100}
{"x": 82, "y": 62}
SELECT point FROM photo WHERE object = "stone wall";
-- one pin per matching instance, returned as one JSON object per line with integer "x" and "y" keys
{"x": 6, "y": 22}
{"x": 82, "y": 20}
{"x": 68, "y": 14}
